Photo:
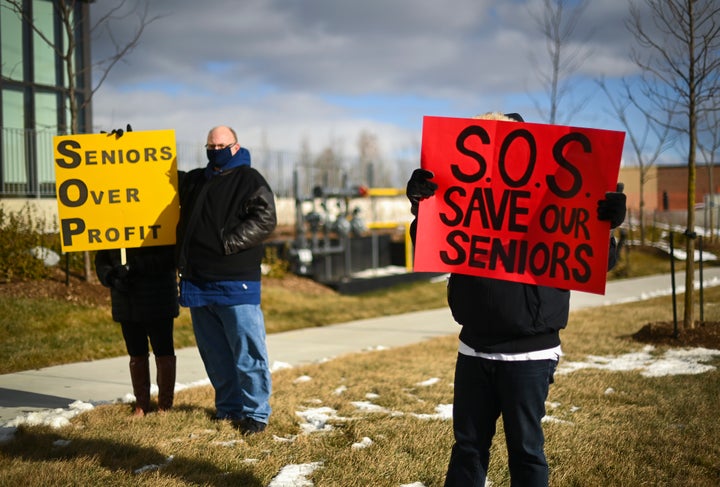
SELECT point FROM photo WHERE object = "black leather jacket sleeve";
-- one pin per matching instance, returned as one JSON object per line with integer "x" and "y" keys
{"x": 257, "y": 221}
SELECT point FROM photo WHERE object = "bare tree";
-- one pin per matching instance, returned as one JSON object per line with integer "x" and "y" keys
{"x": 558, "y": 22}
{"x": 305, "y": 155}
{"x": 66, "y": 48}
{"x": 679, "y": 54}
{"x": 648, "y": 139}
{"x": 371, "y": 169}
{"x": 328, "y": 166}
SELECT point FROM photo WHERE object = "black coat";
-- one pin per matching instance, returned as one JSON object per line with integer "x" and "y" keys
{"x": 151, "y": 284}
{"x": 500, "y": 316}
{"x": 236, "y": 214}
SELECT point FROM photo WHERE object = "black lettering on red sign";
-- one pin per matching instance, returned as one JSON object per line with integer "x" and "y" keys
{"x": 462, "y": 138}
{"x": 568, "y": 165}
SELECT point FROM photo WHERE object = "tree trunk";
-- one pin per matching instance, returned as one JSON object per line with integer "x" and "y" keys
{"x": 88, "y": 270}
{"x": 642, "y": 208}
{"x": 689, "y": 315}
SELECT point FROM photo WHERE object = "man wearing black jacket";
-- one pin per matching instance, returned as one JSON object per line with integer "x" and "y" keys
{"x": 227, "y": 210}
{"x": 508, "y": 351}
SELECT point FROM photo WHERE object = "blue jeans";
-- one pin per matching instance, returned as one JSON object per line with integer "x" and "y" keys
{"x": 231, "y": 341}
{"x": 485, "y": 390}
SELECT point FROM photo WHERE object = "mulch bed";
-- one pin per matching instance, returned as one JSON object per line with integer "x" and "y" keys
{"x": 704, "y": 334}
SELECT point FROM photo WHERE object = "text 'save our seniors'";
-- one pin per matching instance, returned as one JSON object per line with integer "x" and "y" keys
{"x": 517, "y": 201}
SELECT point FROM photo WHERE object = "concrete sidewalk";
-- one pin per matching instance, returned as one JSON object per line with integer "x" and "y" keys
{"x": 109, "y": 379}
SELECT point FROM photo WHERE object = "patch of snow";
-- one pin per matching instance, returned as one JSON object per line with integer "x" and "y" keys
{"x": 152, "y": 467}
{"x": 284, "y": 439}
{"x": 55, "y": 418}
{"x": 316, "y": 419}
{"x": 553, "y": 419}
{"x": 275, "y": 366}
{"x": 442, "y": 411}
{"x": 364, "y": 443}
{"x": 672, "y": 362}
{"x": 229, "y": 443}
{"x": 369, "y": 407}
{"x": 295, "y": 475}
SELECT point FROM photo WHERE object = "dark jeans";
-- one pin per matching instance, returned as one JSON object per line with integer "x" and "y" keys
{"x": 484, "y": 390}
{"x": 160, "y": 332}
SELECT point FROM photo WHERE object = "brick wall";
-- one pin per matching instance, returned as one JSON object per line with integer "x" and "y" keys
{"x": 669, "y": 180}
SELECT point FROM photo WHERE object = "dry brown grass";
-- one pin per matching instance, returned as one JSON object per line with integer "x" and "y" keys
{"x": 649, "y": 431}
{"x": 46, "y": 323}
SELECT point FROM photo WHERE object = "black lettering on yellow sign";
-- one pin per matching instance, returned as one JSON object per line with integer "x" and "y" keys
{"x": 74, "y": 156}
{"x": 125, "y": 195}
{"x": 76, "y": 226}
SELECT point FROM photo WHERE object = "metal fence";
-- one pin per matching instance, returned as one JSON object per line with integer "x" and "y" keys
{"x": 277, "y": 167}
{"x": 27, "y": 167}
{"x": 26, "y": 164}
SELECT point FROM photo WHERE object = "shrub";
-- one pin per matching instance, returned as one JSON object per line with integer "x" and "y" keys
{"x": 275, "y": 265}
{"x": 20, "y": 232}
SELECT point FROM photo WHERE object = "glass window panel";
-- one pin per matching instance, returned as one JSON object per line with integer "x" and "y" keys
{"x": 13, "y": 147}
{"x": 46, "y": 121}
{"x": 77, "y": 55}
{"x": 13, "y": 109}
{"x": 11, "y": 42}
{"x": 46, "y": 113}
{"x": 44, "y": 55}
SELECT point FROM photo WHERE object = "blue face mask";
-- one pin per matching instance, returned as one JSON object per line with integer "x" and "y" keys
{"x": 219, "y": 157}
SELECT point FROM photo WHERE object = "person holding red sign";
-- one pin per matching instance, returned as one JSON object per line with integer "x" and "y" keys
{"x": 508, "y": 352}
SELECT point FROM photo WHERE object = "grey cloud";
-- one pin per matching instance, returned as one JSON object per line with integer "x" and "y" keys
{"x": 339, "y": 46}
{"x": 272, "y": 65}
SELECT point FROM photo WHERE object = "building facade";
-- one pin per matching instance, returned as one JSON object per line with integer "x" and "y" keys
{"x": 35, "y": 89}
{"x": 665, "y": 188}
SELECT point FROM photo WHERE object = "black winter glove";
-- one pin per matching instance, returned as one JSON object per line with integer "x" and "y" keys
{"x": 613, "y": 207}
{"x": 419, "y": 187}
{"x": 117, "y": 277}
{"x": 118, "y": 132}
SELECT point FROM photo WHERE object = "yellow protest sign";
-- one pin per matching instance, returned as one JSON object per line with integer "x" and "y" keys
{"x": 116, "y": 192}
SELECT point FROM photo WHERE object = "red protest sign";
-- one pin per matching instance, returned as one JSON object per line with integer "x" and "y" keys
{"x": 517, "y": 201}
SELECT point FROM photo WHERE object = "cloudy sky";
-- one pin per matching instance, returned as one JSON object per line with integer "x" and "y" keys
{"x": 285, "y": 72}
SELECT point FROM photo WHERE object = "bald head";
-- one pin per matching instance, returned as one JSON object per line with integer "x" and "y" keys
{"x": 220, "y": 137}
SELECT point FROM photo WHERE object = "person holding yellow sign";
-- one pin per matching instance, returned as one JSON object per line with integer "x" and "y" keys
{"x": 227, "y": 210}
{"x": 144, "y": 299}
{"x": 141, "y": 274}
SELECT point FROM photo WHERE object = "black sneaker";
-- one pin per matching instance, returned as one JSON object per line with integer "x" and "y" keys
{"x": 249, "y": 426}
